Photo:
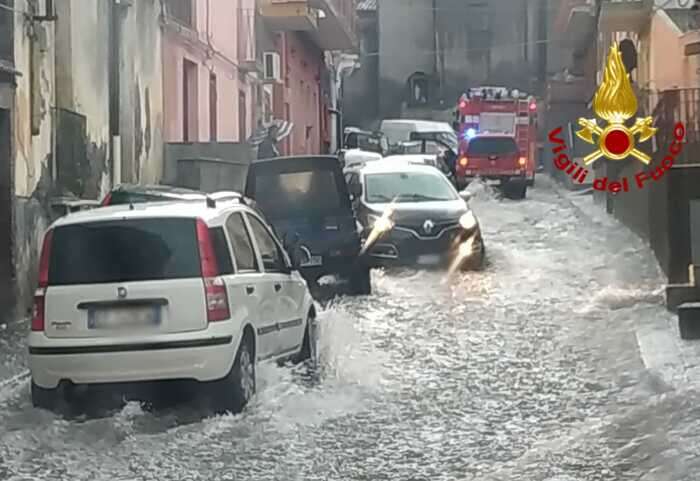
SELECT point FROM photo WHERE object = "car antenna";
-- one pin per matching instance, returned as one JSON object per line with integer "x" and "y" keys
{"x": 211, "y": 203}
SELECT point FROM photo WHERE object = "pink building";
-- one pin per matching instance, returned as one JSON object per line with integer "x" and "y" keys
{"x": 300, "y": 32}
{"x": 209, "y": 70}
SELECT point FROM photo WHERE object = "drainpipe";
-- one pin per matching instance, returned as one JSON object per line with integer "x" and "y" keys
{"x": 344, "y": 65}
{"x": 114, "y": 93}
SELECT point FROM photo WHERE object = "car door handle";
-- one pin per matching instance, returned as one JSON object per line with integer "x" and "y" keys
{"x": 278, "y": 287}
{"x": 250, "y": 290}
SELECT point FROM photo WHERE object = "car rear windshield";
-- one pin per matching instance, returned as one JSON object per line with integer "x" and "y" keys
{"x": 121, "y": 198}
{"x": 124, "y": 251}
{"x": 304, "y": 192}
{"x": 492, "y": 146}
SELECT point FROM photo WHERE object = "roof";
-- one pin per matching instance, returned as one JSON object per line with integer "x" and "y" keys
{"x": 366, "y": 5}
{"x": 493, "y": 134}
{"x": 389, "y": 165}
{"x": 684, "y": 18}
{"x": 148, "y": 210}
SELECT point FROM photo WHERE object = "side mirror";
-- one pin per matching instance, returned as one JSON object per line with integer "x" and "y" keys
{"x": 355, "y": 190}
{"x": 466, "y": 196}
{"x": 299, "y": 256}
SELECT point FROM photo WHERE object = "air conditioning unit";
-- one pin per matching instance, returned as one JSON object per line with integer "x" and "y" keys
{"x": 272, "y": 68}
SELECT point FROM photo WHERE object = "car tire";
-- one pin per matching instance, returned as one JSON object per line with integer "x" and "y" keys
{"x": 238, "y": 387}
{"x": 477, "y": 263}
{"x": 43, "y": 398}
{"x": 309, "y": 346}
{"x": 361, "y": 281}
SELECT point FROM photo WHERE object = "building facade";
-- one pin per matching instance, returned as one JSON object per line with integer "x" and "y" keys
{"x": 299, "y": 32}
{"x": 81, "y": 103}
{"x": 431, "y": 51}
{"x": 209, "y": 74}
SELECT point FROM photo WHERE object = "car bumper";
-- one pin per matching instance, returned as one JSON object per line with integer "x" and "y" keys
{"x": 502, "y": 177}
{"x": 208, "y": 356}
{"x": 399, "y": 247}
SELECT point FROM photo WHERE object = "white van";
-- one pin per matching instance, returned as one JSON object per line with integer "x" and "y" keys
{"x": 399, "y": 130}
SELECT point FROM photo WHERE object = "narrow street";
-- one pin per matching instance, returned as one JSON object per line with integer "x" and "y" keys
{"x": 534, "y": 369}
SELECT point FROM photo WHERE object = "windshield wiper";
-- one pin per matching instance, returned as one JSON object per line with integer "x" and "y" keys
{"x": 421, "y": 197}
{"x": 381, "y": 198}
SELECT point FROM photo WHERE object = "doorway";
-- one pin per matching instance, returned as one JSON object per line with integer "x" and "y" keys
{"x": 7, "y": 269}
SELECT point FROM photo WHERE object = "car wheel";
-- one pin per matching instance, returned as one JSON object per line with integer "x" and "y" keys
{"x": 240, "y": 384}
{"x": 361, "y": 282}
{"x": 477, "y": 262}
{"x": 45, "y": 398}
{"x": 309, "y": 346}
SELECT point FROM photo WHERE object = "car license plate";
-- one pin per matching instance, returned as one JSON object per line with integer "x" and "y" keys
{"x": 313, "y": 261}
{"x": 429, "y": 259}
{"x": 124, "y": 317}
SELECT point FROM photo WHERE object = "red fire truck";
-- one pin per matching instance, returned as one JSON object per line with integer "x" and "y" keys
{"x": 505, "y": 117}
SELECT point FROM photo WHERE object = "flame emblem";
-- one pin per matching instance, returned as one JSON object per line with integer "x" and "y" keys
{"x": 615, "y": 102}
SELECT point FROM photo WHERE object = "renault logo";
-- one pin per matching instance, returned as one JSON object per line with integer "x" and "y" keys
{"x": 121, "y": 292}
{"x": 428, "y": 226}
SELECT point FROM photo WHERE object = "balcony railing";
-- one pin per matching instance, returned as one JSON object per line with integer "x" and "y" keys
{"x": 671, "y": 107}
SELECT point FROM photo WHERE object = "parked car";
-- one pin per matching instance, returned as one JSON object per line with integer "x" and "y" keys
{"x": 306, "y": 198}
{"x": 165, "y": 291}
{"x": 365, "y": 140}
{"x": 403, "y": 130}
{"x": 414, "y": 216}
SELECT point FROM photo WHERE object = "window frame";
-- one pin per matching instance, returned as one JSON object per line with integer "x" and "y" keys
{"x": 256, "y": 258}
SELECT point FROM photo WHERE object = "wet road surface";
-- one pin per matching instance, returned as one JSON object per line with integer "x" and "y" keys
{"x": 529, "y": 370}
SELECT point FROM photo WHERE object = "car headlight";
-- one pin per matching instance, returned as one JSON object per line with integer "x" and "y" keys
{"x": 468, "y": 221}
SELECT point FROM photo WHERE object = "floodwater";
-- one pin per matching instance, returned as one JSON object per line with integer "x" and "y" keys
{"x": 529, "y": 370}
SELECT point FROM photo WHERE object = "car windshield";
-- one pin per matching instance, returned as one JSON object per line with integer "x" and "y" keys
{"x": 407, "y": 187}
{"x": 492, "y": 146}
{"x": 124, "y": 251}
{"x": 284, "y": 194}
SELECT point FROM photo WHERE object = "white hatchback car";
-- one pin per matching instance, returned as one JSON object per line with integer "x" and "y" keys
{"x": 165, "y": 291}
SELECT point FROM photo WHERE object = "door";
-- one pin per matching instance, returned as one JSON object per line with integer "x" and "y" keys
{"x": 250, "y": 285}
{"x": 288, "y": 292}
{"x": 125, "y": 279}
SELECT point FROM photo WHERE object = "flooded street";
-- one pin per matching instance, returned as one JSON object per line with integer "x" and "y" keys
{"x": 529, "y": 370}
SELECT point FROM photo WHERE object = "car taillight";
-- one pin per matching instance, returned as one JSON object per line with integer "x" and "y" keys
{"x": 463, "y": 161}
{"x": 214, "y": 286}
{"x": 522, "y": 161}
{"x": 38, "y": 316}
{"x": 107, "y": 200}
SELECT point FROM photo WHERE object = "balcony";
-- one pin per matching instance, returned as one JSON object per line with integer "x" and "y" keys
{"x": 247, "y": 55}
{"x": 337, "y": 28}
{"x": 290, "y": 15}
{"x": 624, "y": 15}
{"x": 575, "y": 22}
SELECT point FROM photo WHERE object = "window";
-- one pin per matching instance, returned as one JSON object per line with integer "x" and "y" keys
{"x": 242, "y": 117}
{"x": 408, "y": 187}
{"x": 190, "y": 108}
{"x": 182, "y": 11}
{"x": 223, "y": 255}
{"x": 242, "y": 246}
{"x": 125, "y": 251}
{"x": 492, "y": 146}
{"x": 213, "y": 108}
{"x": 272, "y": 257}
{"x": 302, "y": 193}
